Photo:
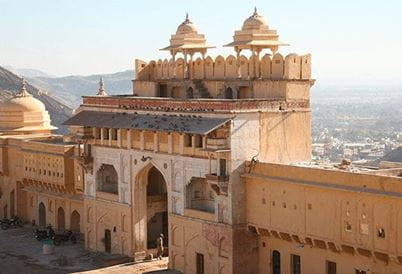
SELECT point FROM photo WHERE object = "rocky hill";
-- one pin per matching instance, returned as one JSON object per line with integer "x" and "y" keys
{"x": 11, "y": 84}
{"x": 28, "y": 73}
{"x": 70, "y": 89}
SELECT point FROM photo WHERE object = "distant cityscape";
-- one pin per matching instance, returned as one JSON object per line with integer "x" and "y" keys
{"x": 360, "y": 124}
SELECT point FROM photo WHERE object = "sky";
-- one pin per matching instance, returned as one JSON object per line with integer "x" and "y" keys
{"x": 351, "y": 41}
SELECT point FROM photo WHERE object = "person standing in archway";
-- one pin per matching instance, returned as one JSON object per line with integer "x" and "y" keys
{"x": 159, "y": 246}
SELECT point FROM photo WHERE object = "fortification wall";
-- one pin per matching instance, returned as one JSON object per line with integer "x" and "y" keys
{"x": 277, "y": 67}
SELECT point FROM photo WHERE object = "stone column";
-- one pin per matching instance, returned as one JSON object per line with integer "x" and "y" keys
{"x": 102, "y": 135}
{"x": 191, "y": 69}
{"x": 129, "y": 134}
{"x": 170, "y": 143}
{"x": 174, "y": 64}
{"x": 156, "y": 144}
{"x": 181, "y": 144}
{"x": 204, "y": 142}
{"x": 119, "y": 137}
{"x": 209, "y": 163}
{"x": 192, "y": 144}
{"x": 185, "y": 68}
{"x": 258, "y": 66}
{"x": 203, "y": 64}
{"x": 238, "y": 62}
{"x": 142, "y": 140}
{"x": 218, "y": 165}
{"x": 110, "y": 137}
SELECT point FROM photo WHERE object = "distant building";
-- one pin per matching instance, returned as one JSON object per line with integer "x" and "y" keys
{"x": 40, "y": 178}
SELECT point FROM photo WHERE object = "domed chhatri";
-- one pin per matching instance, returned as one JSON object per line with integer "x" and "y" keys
{"x": 187, "y": 38}
{"x": 187, "y": 41}
{"x": 255, "y": 35}
{"x": 23, "y": 114}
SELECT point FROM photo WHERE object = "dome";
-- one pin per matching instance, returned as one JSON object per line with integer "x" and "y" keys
{"x": 255, "y": 21}
{"x": 24, "y": 114}
{"x": 186, "y": 27}
{"x": 23, "y": 104}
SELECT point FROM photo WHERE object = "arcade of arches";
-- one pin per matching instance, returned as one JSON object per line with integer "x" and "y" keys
{"x": 59, "y": 216}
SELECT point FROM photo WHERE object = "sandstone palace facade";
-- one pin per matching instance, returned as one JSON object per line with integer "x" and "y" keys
{"x": 212, "y": 152}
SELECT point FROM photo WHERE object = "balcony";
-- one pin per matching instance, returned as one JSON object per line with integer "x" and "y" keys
{"x": 107, "y": 196}
{"x": 216, "y": 144}
{"x": 219, "y": 183}
{"x": 198, "y": 214}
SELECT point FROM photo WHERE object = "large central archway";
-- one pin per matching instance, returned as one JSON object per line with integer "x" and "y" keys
{"x": 150, "y": 209}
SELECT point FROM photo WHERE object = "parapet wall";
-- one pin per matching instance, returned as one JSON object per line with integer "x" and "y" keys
{"x": 277, "y": 67}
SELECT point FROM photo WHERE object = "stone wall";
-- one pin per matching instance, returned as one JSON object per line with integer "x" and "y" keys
{"x": 291, "y": 66}
{"x": 352, "y": 218}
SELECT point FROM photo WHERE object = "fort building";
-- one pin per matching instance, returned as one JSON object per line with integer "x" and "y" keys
{"x": 40, "y": 178}
{"x": 215, "y": 153}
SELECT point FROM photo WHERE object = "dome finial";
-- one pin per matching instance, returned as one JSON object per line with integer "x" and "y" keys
{"x": 255, "y": 11}
{"x": 23, "y": 91}
{"x": 187, "y": 21}
{"x": 101, "y": 91}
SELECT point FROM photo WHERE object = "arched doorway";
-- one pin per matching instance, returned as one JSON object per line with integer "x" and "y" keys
{"x": 276, "y": 262}
{"x": 12, "y": 204}
{"x": 75, "y": 221}
{"x": 108, "y": 241}
{"x": 150, "y": 209}
{"x": 229, "y": 93}
{"x": 61, "y": 219}
{"x": 42, "y": 214}
{"x": 5, "y": 211}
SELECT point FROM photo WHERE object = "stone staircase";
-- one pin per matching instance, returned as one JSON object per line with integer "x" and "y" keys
{"x": 202, "y": 90}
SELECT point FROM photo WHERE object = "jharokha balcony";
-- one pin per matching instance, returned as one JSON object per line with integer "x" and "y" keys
{"x": 219, "y": 183}
{"x": 87, "y": 162}
{"x": 215, "y": 144}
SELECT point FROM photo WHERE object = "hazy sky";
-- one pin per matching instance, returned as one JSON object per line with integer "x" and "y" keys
{"x": 351, "y": 40}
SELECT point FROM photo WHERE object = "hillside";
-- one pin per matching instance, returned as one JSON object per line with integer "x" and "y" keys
{"x": 11, "y": 83}
{"x": 70, "y": 89}
{"x": 27, "y": 73}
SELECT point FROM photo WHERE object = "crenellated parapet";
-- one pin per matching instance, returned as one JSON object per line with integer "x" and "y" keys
{"x": 276, "y": 67}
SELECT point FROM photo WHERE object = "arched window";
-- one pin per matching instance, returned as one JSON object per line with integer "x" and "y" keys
{"x": 276, "y": 262}
{"x": 61, "y": 219}
{"x": 42, "y": 214}
{"x": 75, "y": 221}
{"x": 107, "y": 179}
{"x": 229, "y": 93}
{"x": 190, "y": 93}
